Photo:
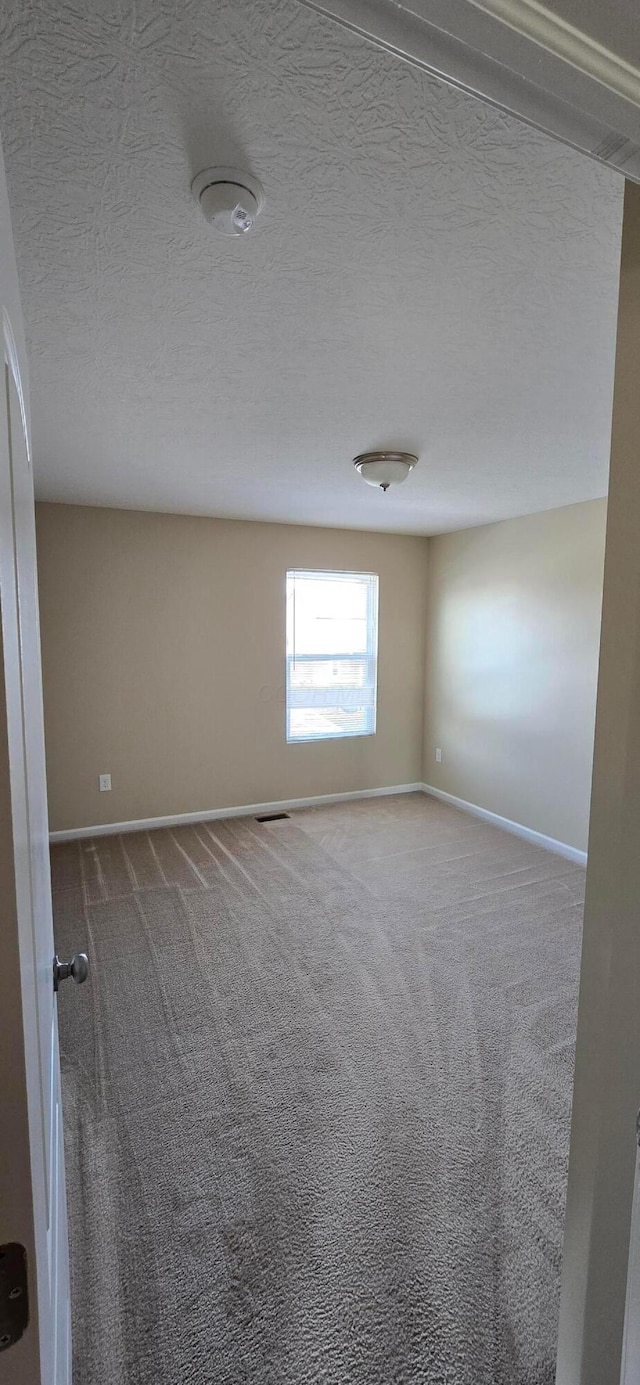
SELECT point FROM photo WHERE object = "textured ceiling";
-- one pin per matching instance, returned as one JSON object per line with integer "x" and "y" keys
{"x": 427, "y": 274}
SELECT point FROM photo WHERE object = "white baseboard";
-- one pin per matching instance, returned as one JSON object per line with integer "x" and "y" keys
{"x": 538, "y": 838}
{"x": 246, "y": 810}
{"x": 108, "y": 829}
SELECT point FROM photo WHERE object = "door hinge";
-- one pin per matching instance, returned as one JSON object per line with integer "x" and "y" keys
{"x": 14, "y": 1294}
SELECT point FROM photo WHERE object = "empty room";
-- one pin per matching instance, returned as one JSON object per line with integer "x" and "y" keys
{"x": 331, "y": 315}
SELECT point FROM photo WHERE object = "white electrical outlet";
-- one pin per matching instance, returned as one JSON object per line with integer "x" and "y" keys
{"x": 438, "y": 755}
{"x": 104, "y": 781}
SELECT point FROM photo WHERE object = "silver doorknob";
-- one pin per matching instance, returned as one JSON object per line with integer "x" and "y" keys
{"x": 78, "y": 968}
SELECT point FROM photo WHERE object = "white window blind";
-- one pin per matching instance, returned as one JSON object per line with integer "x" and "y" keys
{"x": 332, "y": 654}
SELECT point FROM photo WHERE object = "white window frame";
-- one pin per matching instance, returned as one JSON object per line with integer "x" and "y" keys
{"x": 292, "y": 695}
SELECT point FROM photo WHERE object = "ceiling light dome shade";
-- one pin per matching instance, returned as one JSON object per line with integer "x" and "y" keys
{"x": 384, "y": 469}
{"x": 230, "y": 200}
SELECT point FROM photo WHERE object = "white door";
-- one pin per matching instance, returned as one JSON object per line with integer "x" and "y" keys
{"x": 32, "y": 1190}
{"x": 600, "y": 1280}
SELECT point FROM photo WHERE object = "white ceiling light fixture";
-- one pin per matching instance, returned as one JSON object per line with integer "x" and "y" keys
{"x": 384, "y": 469}
{"x": 230, "y": 200}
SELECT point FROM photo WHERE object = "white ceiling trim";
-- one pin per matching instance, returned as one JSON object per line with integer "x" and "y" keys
{"x": 517, "y": 56}
{"x": 572, "y": 45}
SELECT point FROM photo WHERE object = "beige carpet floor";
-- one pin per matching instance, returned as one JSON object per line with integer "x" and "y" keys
{"x": 317, "y": 1096}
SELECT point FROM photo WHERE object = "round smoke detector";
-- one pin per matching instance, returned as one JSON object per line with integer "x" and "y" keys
{"x": 229, "y": 199}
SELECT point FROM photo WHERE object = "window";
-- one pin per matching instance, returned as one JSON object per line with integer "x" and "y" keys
{"x": 332, "y": 654}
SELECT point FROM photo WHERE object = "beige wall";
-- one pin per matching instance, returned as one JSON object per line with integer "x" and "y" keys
{"x": 512, "y": 654}
{"x": 163, "y": 653}
{"x": 163, "y": 641}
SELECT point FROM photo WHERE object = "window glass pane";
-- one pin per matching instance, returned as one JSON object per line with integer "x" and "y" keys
{"x": 330, "y": 616}
{"x": 332, "y": 620}
{"x": 307, "y": 724}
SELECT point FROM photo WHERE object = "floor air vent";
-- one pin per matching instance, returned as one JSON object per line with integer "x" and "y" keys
{"x": 272, "y": 817}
